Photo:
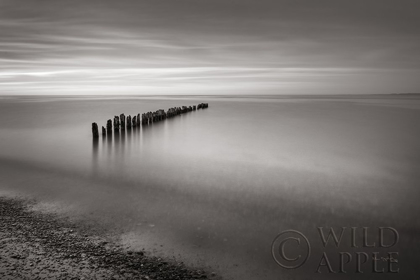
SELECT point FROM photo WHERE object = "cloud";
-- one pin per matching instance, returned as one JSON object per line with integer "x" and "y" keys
{"x": 202, "y": 45}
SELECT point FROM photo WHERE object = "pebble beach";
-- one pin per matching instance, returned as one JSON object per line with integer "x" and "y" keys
{"x": 37, "y": 245}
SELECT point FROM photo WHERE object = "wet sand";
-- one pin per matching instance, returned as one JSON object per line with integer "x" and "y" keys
{"x": 36, "y": 245}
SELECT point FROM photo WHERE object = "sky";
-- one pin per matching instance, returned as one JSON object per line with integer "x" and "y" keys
{"x": 148, "y": 47}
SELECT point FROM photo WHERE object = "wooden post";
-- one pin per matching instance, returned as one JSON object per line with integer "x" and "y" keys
{"x": 122, "y": 121}
{"x": 128, "y": 122}
{"x": 116, "y": 123}
{"x": 95, "y": 130}
{"x": 134, "y": 122}
{"x": 109, "y": 126}
{"x": 103, "y": 131}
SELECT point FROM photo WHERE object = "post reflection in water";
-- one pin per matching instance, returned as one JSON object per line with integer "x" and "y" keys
{"x": 121, "y": 144}
{"x": 95, "y": 151}
{"x": 109, "y": 142}
{"x": 116, "y": 137}
{"x": 130, "y": 140}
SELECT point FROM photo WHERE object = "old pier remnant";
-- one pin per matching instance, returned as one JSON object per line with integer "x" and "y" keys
{"x": 122, "y": 121}
{"x": 128, "y": 122}
{"x": 116, "y": 123}
{"x": 148, "y": 118}
{"x": 109, "y": 126}
{"x": 134, "y": 120}
{"x": 95, "y": 130}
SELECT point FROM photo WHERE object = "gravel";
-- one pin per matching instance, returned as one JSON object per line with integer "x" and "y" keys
{"x": 36, "y": 245}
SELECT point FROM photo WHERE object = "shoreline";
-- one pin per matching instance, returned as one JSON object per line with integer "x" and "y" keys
{"x": 37, "y": 245}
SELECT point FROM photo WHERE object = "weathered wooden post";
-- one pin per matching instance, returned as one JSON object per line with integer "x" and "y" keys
{"x": 122, "y": 121}
{"x": 95, "y": 130}
{"x": 109, "y": 126}
{"x": 116, "y": 123}
{"x": 103, "y": 131}
{"x": 145, "y": 118}
{"x": 194, "y": 108}
{"x": 128, "y": 122}
{"x": 138, "y": 120}
{"x": 134, "y": 122}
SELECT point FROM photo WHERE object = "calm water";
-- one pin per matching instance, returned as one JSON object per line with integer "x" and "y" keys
{"x": 214, "y": 187}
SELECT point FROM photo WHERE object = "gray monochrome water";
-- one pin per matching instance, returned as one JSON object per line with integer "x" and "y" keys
{"x": 214, "y": 187}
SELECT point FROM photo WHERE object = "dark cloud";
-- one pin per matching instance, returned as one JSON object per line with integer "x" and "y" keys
{"x": 216, "y": 46}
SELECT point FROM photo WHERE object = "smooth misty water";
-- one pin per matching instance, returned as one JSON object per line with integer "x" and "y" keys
{"x": 214, "y": 187}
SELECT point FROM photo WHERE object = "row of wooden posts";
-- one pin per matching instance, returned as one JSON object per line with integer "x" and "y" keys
{"x": 122, "y": 122}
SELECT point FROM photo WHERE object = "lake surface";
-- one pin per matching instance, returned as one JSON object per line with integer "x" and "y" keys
{"x": 214, "y": 187}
